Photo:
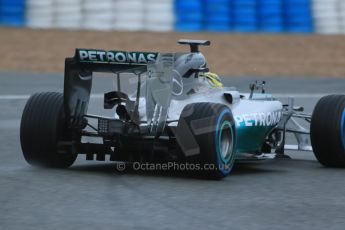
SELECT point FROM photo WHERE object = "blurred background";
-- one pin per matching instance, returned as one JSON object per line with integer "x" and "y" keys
{"x": 249, "y": 37}
{"x": 319, "y": 16}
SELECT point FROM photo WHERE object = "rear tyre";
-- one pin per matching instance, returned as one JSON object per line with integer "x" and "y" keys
{"x": 206, "y": 135}
{"x": 327, "y": 131}
{"x": 42, "y": 127}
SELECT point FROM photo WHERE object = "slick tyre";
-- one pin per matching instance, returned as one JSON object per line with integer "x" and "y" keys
{"x": 206, "y": 135}
{"x": 327, "y": 131}
{"x": 42, "y": 127}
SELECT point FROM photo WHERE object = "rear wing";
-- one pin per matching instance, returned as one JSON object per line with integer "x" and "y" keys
{"x": 79, "y": 71}
{"x": 110, "y": 61}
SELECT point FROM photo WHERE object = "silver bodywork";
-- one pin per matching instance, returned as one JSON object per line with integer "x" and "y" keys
{"x": 167, "y": 92}
{"x": 175, "y": 92}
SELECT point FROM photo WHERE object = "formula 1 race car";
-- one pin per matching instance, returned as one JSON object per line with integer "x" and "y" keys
{"x": 178, "y": 112}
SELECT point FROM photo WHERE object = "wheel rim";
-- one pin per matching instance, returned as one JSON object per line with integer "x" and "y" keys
{"x": 225, "y": 142}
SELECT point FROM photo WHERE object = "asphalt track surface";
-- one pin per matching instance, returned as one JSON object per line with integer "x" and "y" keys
{"x": 280, "y": 194}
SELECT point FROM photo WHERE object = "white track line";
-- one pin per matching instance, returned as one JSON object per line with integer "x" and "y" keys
{"x": 100, "y": 96}
{"x": 300, "y": 96}
{"x": 14, "y": 97}
{"x": 25, "y": 97}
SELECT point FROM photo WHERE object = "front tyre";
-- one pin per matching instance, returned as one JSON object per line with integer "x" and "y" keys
{"x": 327, "y": 131}
{"x": 206, "y": 134}
{"x": 42, "y": 127}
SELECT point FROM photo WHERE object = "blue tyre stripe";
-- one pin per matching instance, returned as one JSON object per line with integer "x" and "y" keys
{"x": 221, "y": 165}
